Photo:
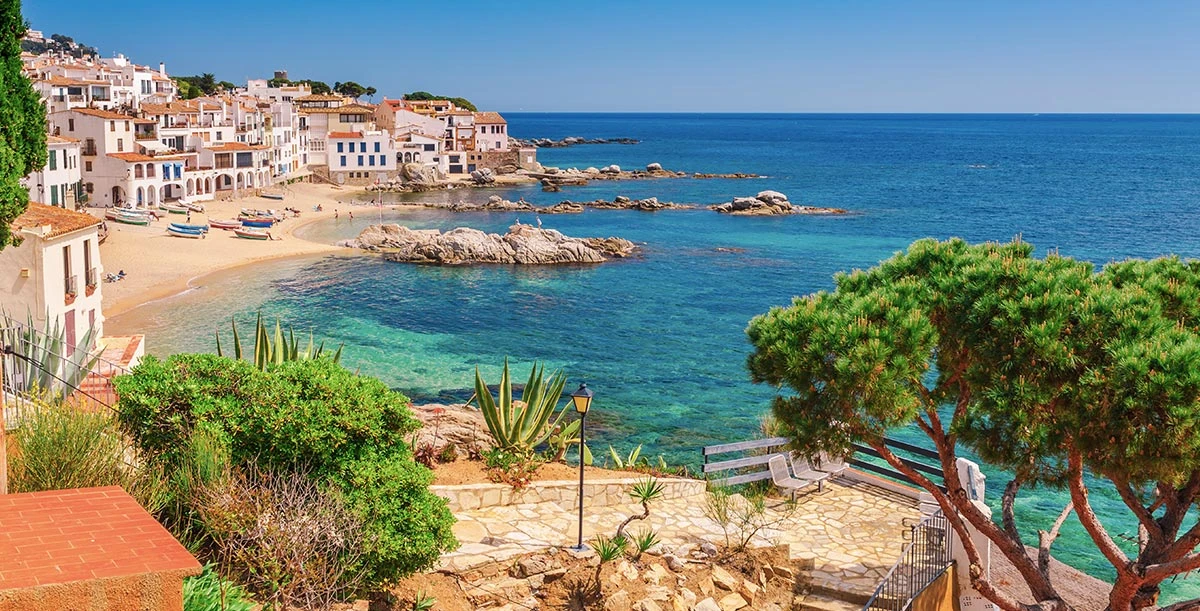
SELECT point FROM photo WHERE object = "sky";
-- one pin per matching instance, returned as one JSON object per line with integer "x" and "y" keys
{"x": 668, "y": 56}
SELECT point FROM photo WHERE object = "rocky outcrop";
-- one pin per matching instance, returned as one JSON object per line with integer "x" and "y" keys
{"x": 650, "y": 204}
{"x": 483, "y": 176}
{"x": 418, "y": 173}
{"x": 494, "y": 203}
{"x": 769, "y": 203}
{"x": 553, "y": 179}
{"x": 460, "y": 425}
{"x": 571, "y": 141}
{"x": 522, "y": 245}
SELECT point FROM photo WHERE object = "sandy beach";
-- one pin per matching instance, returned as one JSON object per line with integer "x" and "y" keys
{"x": 158, "y": 265}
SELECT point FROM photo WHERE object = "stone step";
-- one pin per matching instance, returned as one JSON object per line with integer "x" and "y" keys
{"x": 820, "y": 602}
{"x": 833, "y": 586}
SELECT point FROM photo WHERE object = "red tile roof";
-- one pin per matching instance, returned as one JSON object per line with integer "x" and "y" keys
{"x": 333, "y": 135}
{"x": 61, "y": 536}
{"x": 489, "y": 117}
{"x": 137, "y": 157}
{"x": 61, "y": 221}
{"x": 103, "y": 114}
{"x": 236, "y": 146}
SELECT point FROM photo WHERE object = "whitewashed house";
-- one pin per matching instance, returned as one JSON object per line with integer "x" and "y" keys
{"x": 58, "y": 182}
{"x": 361, "y": 157}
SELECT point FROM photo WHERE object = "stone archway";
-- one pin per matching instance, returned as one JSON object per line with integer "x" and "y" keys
{"x": 141, "y": 198}
{"x": 191, "y": 187}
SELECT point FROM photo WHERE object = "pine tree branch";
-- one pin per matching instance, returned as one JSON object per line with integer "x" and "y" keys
{"x": 1046, "y": 539}
{"x": 1087, "y": 517}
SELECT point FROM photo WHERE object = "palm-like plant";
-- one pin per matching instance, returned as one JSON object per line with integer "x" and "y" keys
{"x": 643, "y": 492}
{"x": 521, "y": 425}
{"x": 274, "y": 348}
{"x": 42, "y": 366}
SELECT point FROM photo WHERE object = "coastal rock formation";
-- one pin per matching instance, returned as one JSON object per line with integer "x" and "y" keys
{"x": 418, "y": 173}
{"x": 460, "y": 425}
{"x": 654, "y": 167}
{"x": 483, "y": 176}
{"x": 522, "y": 245}
{"x": 571, "y": 141}
{"x": 494, "y": 203}
{"x": 769, "y": 203}
{"x": 650, "y": 204}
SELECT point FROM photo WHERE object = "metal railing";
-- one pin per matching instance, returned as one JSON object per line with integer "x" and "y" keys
{"x": 90, "y": 277}
{"x": 34, "y": 368}
{"x": 926, "y": 557}
{"x": 71, "y": 285}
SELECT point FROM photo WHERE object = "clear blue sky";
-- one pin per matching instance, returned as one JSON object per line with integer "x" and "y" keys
{"x": 702, "y": 55}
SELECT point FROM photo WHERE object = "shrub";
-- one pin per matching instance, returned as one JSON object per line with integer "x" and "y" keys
{"x": 209, "y": 592}
{"x": 644, "y": 492}
{"x": 346, "y": 431}
{"x": 291, "y": 542}
{"x": 521, "y": 425}
{"x": 59, "y": 447}
{"x": 514, "y": 469}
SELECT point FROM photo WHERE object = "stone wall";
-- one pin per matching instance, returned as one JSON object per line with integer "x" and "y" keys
{"x": 158, "y": 591}
{"x": 564, "y": 493}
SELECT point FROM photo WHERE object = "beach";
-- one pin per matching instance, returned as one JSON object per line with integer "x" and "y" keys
{"x": 158, "y": 265}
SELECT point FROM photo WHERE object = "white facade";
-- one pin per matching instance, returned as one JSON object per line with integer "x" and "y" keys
{"x": 261, "y": 89}
{"x": 491, "y": 132}
{"x": 54, "y": 274}
{"x": 361, "y": 155}
{"x": 58, "y": 183}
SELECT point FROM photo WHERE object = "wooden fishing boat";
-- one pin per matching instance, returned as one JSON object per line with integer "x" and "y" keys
{"x": 275, "y": 196}
{"x": 132, "y": 219}
{"x": 250, "y": 234}
{"x": 184, "y": 233}
{"x": 173, "y": 209}
{"x": 202, "y": 228}
{"x": 193, "y": 207}
{"x": 225, "y": 224}
{"x": 256, "y": 221}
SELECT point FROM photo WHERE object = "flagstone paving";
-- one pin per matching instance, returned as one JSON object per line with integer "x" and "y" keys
{"x": 852, "y": 532}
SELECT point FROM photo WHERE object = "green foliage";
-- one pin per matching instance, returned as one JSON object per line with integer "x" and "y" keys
{"x": 209, "y": 592}
{"x": 42, "y": 364}
{"x": 629, "y": 461}
{"x": 512, "y": 468}
{"x": 643, "y": 541}
{"x": 352, "y": 89}
{"x": 609, "y": 549}
{"x": 22, "y": 122}
{"x": 647, "y": 490}
{"x": 273, "y": 349}
{"x": 202, "y": 84}
{"x": 59, "y": 43}
{"x": 345, "y": 430}
{"x": 521, "y": 425}
{"x": 423, "y": 602}
{"x": 58, "y": 447}
{"x": 425, "y": 96}
{"x": 1042, "y": 366}
{"x": 563, "y": 437}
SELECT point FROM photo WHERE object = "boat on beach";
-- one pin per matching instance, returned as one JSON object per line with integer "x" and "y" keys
{"x": 201, "y": 228}
{"x": 128, "y": 218}
{"x": 251, "y": 234}
{"x": 173, "y": 209}
{"x": 256, "y": 221}
{"x": 193, "y": 207}
{"x": 275, "y": 196}
{"x": 225, "y": 224}
{"x": 184, "y": 233}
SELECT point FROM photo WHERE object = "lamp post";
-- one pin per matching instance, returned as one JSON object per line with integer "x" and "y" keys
{"x": 582, "y": 399}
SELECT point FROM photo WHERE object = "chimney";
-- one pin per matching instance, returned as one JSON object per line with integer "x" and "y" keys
{"x": 162, "y": 69}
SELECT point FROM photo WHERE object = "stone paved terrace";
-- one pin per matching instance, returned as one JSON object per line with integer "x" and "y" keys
{"x": 852, "y": 532}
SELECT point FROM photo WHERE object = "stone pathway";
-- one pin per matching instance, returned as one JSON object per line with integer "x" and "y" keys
{"x": 852, "y": 532}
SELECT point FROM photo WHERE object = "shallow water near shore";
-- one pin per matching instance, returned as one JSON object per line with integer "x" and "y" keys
{"x": 659, "y": 337}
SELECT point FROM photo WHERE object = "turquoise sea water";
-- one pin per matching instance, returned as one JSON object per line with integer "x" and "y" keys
{"x": 660, "y": 337}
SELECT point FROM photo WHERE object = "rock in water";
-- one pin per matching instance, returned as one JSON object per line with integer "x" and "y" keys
{"x": 769, "y": 203}
{"x": 654, "y": 167}
{"x": 522, "y": 245}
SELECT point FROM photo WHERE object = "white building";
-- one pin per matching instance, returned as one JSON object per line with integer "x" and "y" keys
{"x": 491, "y": 132}
{"x": 361, "y": 157}
{"x": 54, "y": 274}
{"x": 262, "y": 89}
{"x": 58, "y": 183}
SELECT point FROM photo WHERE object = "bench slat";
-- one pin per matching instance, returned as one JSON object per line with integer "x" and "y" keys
{"x": 749, "y": 461}
{"x": 745, "y": 445}
{"x": 743, "y": 479}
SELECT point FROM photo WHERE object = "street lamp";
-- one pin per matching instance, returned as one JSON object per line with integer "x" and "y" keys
{"x": 582, "y": 399}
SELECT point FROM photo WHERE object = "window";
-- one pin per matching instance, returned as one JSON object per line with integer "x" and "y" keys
{"x": 339, "y": 147}
{"x": 343, "y": 161}
{"x": 150, "y": 170}
{"x": 87, "y": 262}
{"x": 53, "y": 157}
{"x": 127, "y": 126}
{"x": 371, "y": 159}
{"x": 381, "y": 160}
{"x": 53, "y": 195}
{"x": 67, "y": 270}
{"x": 360, "y": 161}
{"x": 70, "y": 125}
{"x": 112, "y": 126}
{"x": 87, "y": 166}
{"x": 376, "y": 147}
{"x": 120, "y": 144}
{"x": 219, "y": 136}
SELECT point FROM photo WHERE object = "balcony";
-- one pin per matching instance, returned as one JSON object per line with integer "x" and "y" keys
{"x": 71, "y": 284}
{"x": 88, "y": 150}
{"x": 144, "y": 136}
{"x": 90, "y": 277}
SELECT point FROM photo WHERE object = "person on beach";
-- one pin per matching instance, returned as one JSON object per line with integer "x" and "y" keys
{"x": 352, "y": 215}
{"x": 189, "y": 216}
{"x": 335, "y": 213}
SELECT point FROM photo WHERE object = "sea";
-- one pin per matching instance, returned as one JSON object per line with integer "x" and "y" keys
{"x": 660, "y": 337}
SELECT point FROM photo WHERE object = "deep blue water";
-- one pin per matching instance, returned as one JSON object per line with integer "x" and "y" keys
{"x": 660, "y": 337}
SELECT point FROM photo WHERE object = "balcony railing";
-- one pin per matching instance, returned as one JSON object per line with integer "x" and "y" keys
{"x": 90, "y": 276}
{"x": 145, "y": 137}
{"x": 71, "y": 283}
{"x": 88, "y": 151}
{"x": 224, "y": 165}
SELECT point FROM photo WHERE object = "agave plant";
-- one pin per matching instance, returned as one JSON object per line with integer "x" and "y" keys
{"x": 274, "y": 348}
{"x": 520, "y": 425}
{"x": 42, "y": 364}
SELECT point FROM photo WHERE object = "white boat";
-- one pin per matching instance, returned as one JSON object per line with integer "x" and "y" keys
{"x": 184, "y": 233}
{"x": 193, "y": 207}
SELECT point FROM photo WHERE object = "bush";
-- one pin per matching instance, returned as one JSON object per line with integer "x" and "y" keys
{"x": 209, "y": 592}
{"x": 346, "y": 431}
{"x": 294, "y": 544}
{"x": 59, "y": 447}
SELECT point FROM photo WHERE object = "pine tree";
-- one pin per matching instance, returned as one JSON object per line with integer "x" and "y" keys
{"x": 22, "y": 121}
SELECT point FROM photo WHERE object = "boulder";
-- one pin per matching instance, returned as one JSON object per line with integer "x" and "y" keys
{"x": 648, "y": 605}
{"x": 621, "y": 199}
{"x": 611, "y": 169}
{"x": 654, "y": 167}
{"x": 417, "y": 173}
{"x": 733, "y": 602}
{"x": 522, "y": 245}
{"x": 591, "y": 171}
{"x": 708, "y": 549}
{"x": 771, "y": 196}
{"x": 460, "y": 425}
{"x": 495, "y": 199}
{"x": 724, "y": 579}
{"x": 707, "y": 604}
{"x": 483, "y": 176}
{"x": 618, "y": 602}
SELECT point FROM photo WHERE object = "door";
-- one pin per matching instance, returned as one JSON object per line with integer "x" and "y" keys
{"x": 70, "y": 323}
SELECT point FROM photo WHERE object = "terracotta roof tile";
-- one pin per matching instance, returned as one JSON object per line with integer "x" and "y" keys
{"x": 319, "y": 97}
{"x": 61, "y": 221}
{"x": 61, "y": 536}
{"x": 96, "y": 112}
{"x": 134, "y": 157}
{"x": 333, "y": 135}
{"x": 50, "y": 139}
{"x": 489, "y": 117}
